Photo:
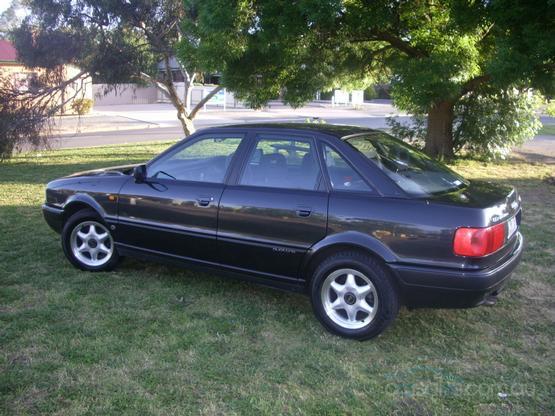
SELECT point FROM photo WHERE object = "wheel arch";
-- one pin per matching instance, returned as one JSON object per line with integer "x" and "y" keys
{"x": 347, "y": 241}
{"x": 78, "y": 202}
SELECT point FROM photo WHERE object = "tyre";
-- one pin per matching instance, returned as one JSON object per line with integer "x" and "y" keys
{"x": 88, "y": 243}
{"x": 353, "y": 295}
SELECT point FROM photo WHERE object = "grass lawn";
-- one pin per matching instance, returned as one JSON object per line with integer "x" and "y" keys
{"x": 151, "y": 339}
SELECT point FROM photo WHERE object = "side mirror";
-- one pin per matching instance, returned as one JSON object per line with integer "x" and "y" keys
{"x": 139, "y": 173}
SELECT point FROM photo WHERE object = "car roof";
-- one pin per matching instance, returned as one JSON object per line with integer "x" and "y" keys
{"x": 336, "y": 130}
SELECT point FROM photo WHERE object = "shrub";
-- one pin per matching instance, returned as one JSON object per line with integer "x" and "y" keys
{"x": 24, "y": 123}
{"x": 82, "y": 106}
{"x": 486, "y": 125}
{"x": 550, "y": 108}
{"x": 370, "y": 93}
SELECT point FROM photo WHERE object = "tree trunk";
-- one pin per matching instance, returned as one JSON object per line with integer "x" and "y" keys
{"x": 184, "y": 115}
{"x": 439, "y": 138}
{"x": 186, "y": 123}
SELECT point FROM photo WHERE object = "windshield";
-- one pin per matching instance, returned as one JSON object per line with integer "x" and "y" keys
{"x": 412, "y": 170}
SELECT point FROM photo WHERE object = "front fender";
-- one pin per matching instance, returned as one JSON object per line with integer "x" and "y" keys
{"x": 81, "y": 198}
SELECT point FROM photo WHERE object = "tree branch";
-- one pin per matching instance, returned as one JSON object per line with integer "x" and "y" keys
{"x": 156, "y": 83}
{"x": 398, "y": 43}
{"x": 58, "y": 87}
{"x": 201, "y": 103}
{"x": 474, "y": 83}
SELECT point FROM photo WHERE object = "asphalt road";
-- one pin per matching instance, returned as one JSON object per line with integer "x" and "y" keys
{"x": 175, "y": 132}
{"x": 155, "y": 122}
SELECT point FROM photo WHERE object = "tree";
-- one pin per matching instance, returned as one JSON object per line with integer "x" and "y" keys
{"x": 115, "y": 41}
{"x": 436, "y": 53}
{"x": 27, "y": 109}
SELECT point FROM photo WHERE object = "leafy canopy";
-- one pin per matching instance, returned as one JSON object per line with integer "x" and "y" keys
{"x": 113, "y": 40}
{"x": 433, "y": 51}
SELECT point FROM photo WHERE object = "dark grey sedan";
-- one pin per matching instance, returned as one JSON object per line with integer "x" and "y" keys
{"x": 359, "y": 220}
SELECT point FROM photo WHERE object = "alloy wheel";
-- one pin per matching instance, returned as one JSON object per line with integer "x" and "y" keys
{"x": 91, "y": 243}
{"x": 349, "y": 298}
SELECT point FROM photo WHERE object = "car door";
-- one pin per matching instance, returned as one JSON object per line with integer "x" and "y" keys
{"x": 276, "y": 209}
{"x": 175, "y": 210}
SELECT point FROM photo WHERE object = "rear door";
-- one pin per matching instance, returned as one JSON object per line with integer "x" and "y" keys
{"x": 175, "y": 210}
{"x": 276, "y": 209}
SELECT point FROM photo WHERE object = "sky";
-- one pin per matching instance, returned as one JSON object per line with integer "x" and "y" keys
{"x": 4, "y": 4}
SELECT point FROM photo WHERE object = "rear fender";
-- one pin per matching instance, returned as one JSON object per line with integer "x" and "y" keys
{"x": 353, "y": 239}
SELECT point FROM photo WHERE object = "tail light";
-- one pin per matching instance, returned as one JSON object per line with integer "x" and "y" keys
{"x": 478, "y": 242}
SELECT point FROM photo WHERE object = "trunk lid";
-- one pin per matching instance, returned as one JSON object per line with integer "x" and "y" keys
{"x": 498, "y": 202}
{"x": 493, "y": 204}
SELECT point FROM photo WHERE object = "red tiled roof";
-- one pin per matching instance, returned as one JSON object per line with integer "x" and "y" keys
{"x": 7, "y": 52}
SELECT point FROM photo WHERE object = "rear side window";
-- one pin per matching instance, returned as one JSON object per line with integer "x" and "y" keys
{"x": 288, "y": 163}
{"x": 342, "y": 175}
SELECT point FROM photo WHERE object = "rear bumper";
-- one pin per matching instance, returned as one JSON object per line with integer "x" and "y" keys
{"x": 53, "y": 217}
{"x": 448, "y": 288}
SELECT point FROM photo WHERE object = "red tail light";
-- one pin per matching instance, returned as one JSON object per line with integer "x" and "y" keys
{"x": 478, "y": 242}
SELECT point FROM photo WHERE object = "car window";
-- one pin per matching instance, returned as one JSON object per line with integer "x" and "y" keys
{"x": 282, "y": 163}
{"x": 342, "y": 175}
{"x": 205, "y": 160}
{"x": 416, "y": 173}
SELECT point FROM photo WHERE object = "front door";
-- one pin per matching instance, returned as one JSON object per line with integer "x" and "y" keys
{"x": 275, "y": 212}
{"x": 175, "y": 211}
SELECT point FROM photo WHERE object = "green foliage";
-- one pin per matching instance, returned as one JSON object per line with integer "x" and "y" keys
{"x": 550, "y": 108}
{"x": 112, "y": 41}
{"x": 370, "y": 93}
{"x": 486, "y": 126}
{"x": 433, "y": 52}
{"x": 82, "y": 106}
{"x": 413, "y": 132}
{"x": 23, "y": 123}
{"x": 490, "y": 125}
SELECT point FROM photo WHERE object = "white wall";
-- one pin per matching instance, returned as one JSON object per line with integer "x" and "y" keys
{"x": 198, "y": 92}
{"x": 124, "y": 94}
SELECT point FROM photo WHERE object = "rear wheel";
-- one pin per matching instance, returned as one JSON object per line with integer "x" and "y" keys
{"x": 88, "y": 243}
{"x": 353, "y": 296}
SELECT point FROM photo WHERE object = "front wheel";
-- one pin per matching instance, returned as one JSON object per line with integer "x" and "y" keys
{"x": 352, "y": 295}
{"x": 88, "y": 243}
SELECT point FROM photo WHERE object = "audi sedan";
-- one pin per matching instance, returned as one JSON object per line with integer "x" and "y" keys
{"x": 356, "y": 219}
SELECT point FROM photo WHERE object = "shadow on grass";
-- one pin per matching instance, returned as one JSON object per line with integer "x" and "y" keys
{"x": 537, "y": 157}
{"x": 41, "y": 173}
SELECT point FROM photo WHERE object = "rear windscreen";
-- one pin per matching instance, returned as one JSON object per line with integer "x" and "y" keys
{"x": 416, "y": 173}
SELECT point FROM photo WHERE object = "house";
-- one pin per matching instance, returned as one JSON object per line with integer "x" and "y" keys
{"x": 23, "y": 78}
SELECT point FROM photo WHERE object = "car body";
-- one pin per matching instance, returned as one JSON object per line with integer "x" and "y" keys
{"x": 246, "y": 212}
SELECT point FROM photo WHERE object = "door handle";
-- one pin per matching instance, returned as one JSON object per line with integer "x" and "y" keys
{"x": 304, "y": 212}
{"x": 204, "y": 201}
